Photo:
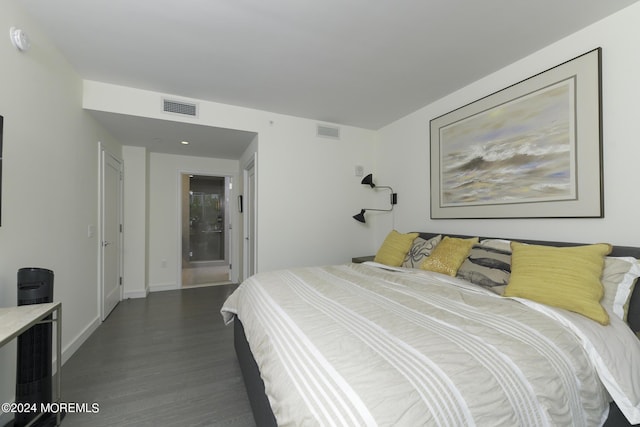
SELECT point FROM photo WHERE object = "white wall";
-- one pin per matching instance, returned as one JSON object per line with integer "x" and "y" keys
{"x": 136, "y": 218}
{"x": 164, "y": 204}
{"x": 402, "y": 151}
{"x": 50, "y": 184}
{"x": 307, "y": 191}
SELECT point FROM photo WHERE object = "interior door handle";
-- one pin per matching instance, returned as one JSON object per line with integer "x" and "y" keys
{"x": 105, "y": 244}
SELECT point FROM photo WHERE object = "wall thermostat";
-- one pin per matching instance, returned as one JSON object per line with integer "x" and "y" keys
{"x": 19, "y": 39}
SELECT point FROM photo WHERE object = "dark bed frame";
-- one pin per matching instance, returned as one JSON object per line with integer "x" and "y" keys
{"x": 261, "y": 408}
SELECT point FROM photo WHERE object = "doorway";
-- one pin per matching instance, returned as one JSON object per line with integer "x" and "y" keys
{"x": 205, "y": 230}
{"x": 110, "y": 232}
{"x": 249, "y": 226}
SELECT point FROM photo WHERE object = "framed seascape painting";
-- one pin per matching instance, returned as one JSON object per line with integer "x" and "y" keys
{"x": 531, "y": 150}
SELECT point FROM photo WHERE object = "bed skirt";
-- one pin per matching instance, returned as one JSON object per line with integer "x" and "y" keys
{"x": 258, "y": 400}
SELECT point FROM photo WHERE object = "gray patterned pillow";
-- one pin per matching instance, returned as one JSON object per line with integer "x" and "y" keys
{"x": 487, "y": 267}
{"x": 420, "y": 249}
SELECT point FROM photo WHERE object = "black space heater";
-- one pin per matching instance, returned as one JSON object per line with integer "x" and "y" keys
{"x": 33, "y": 374}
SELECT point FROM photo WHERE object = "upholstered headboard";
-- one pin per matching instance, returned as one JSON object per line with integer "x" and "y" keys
{"x": 633, "y": 317}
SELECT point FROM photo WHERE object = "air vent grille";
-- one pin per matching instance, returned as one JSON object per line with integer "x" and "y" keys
{"x": 177, "y": 107}
{"x": 328, "y": 132}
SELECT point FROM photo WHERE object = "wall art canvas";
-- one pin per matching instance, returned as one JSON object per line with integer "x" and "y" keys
{"x": 530, "y": 150}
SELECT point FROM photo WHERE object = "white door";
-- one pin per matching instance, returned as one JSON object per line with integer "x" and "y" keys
{"x": 111, "y": 245}
{"x": 249, "y": 209}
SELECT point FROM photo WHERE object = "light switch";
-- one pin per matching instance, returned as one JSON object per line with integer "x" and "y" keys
{"x": 359, "y": 170}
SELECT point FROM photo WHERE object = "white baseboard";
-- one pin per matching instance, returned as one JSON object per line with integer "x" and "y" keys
{"x": 163, "y": 287}
{"x": 75, "y": 344}
{"x": 136, "y": 294}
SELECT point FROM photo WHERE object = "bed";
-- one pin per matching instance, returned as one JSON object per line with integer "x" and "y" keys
{"x": 368, "y": 344}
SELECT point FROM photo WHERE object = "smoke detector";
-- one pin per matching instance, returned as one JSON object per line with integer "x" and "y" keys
{"x": 19, "y": 39}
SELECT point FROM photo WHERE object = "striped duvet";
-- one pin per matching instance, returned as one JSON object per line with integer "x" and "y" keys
{"x": 356, "y": 345}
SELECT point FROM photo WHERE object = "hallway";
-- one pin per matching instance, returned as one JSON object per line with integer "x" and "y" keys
{"x": 164, "y": 360}
{"x": 205, "y": 275}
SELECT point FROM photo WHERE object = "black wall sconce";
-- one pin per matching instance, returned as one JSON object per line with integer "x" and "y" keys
{"x": 393, "y": 198}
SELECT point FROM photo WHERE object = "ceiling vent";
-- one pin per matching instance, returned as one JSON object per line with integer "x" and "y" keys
{"x": 328, "y": 132}
{"x": 178, "y": 107}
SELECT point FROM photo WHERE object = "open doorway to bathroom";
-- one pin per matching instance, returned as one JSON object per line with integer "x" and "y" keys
{"x": 205, "y": 227}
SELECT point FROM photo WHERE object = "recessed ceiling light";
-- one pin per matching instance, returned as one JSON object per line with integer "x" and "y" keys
{"x": 184, "y": 142}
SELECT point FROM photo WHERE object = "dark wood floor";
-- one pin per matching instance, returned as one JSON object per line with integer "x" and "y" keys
{"x": 166, "y": 360}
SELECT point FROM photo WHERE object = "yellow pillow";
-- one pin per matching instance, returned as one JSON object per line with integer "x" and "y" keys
{"x": 395, "y": 248}
{"x": 565, "y": 277}
{"x": 448, "y": 255}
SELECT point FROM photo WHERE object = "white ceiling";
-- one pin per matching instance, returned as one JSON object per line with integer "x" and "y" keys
{"x": 364, "y": 63}
{"x": 162, "y": 136}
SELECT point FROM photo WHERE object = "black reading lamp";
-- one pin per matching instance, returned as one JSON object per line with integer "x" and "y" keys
{"x": 393, "y": 199}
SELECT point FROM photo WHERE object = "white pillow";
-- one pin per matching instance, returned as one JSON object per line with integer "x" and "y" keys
{"x": 500, "y": 244}
{"x": 619, "y": 278}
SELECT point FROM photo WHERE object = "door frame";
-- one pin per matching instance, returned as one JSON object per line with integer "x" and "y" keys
{"x": 229, "y": 220}
{"x": 250, "y": 223}
{"x": 103, "y": 154}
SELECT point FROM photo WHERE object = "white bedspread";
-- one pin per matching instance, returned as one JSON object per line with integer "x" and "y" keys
{"x": 355, "y": 345}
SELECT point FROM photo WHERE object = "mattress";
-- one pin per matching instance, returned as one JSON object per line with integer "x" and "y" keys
{"x": 362, "y": 345}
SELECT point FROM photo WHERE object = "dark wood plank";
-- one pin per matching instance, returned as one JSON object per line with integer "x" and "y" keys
{"x": 165, "y": 360}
